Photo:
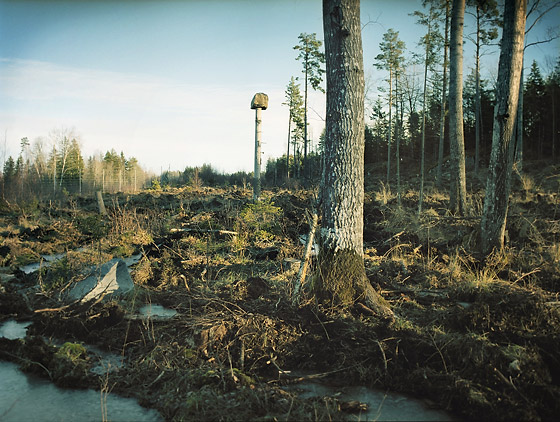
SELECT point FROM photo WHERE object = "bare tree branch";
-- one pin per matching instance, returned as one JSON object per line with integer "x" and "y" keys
{"x": 370, "y": 22}
{"x": 533, "y": 8}
{"x": 541, "y": 42}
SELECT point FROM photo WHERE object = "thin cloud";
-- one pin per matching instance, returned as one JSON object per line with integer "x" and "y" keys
{"x": 162, "y": 122}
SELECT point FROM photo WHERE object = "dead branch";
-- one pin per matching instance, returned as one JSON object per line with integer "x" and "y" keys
{"x": 61, "y": 308}
{"x": 196, "y": 230}
{"x": 304, "y": 264}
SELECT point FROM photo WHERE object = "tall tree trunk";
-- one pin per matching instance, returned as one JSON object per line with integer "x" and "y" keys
{"x": 54, "y": 169}
{"x": 305, "y": 164}
{"x": 398, "y": 140}
{"x": 423, "y": 144}
{"x": 519, "y": 125}
{"x": 494, "y": 217}
{"x": 477, "y": 107}
{"x": 458, "y": 191}
{"x": 553, "y": 104}
{"x": 389, "y": 135}
{"x": 443, "y": 96}
{"x": 341, "y": 278}
{"x": 288, "y": 152}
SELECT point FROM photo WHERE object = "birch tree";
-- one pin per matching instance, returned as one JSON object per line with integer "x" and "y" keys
{"x": 63, "y": 140}
{"x": 341, "y": 279}
{"x": 496, "y": 200}
{"x": 458, "y": 189}
{"x": 39, "y": 158}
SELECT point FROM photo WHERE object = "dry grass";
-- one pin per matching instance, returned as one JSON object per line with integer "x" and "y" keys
{"x": 474, "y": 333}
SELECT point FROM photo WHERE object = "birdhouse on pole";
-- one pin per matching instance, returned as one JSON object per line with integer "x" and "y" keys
{"x": 259, "y": 102}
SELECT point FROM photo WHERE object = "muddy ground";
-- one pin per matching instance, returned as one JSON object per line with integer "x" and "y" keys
{"x": 476, "y": 336}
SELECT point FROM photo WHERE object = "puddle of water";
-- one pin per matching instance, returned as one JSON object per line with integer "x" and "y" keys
{"x": 31, "y": 268}
{"x": 156, "y": 311}
{"x": 29, "y": 398}
{"x": 381, "y": 406}
{"x": 46, "y": 260}
{"x": 131, "y": 260}
{"x": 105, "y": 361}
{"x": 13, "y": 330}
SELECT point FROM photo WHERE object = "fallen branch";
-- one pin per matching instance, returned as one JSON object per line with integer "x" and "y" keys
{"x": 196, "y": 230}
{"x": 62, "y": 308}
{"x": 511, "y": 384}
{"x": 526, "y": 274}
{"x": 295, "y": 379}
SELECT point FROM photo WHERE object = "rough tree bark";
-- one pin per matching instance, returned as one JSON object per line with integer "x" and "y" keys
{"x": 519, "y": 126}
{"x": 493, "y": 224}
{"x": 458, "y": 191}
{"x": 288, "y": 152}
{"x": 443, "y": 96}
{"x": 341, "y": 279}
{"x": 423, "y": 143}
{"x": 477, "y": 105}
{"x": 390, "y": 131}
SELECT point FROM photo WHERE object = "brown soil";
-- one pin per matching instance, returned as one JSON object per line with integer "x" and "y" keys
{"x": 476, "y": 336}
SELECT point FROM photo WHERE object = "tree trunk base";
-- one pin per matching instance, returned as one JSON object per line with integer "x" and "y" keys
{"x": 341, "y": 281}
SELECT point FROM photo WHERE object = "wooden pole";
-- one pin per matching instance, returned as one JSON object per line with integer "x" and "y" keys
{"x": 257, "y": 173}
{"x": 259, "y": 102}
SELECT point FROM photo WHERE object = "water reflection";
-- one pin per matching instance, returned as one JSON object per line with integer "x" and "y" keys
{"x": 104, "y": 362}
{"x": 382, "y": 406}
{"x": 34, "y": 399}
{"x": 155, "y": 311}
{"x": 46, "y": 260}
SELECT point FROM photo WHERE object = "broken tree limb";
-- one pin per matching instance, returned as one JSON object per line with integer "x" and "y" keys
{"x": 305, "y": 263}
{"x": 61, "y": 308}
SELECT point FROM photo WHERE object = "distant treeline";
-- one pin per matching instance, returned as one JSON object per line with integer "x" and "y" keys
{"x": 54, "y": 166}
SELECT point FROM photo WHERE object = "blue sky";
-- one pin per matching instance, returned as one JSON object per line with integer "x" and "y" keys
{"x": 170, "y": 82}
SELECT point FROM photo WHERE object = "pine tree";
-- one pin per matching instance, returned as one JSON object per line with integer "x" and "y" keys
{"x": 313, "y": 60}
{"x": 486, "y": 15}
{"x": 294, "y": 102}
{"x": 431, "y": 42}
{"x": 553, "y": 92}
{"x": 9, "y": 171}
{"x": 534, "y": 109}
{"x": 391, "y": 59}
